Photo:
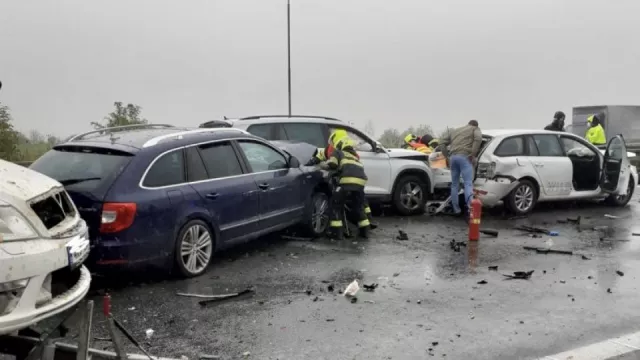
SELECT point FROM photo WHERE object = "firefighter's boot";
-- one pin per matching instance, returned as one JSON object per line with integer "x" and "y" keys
{"x": 336, "y": 233}
{"x": 364, "y": 232}
{"x": 372, "y": 225}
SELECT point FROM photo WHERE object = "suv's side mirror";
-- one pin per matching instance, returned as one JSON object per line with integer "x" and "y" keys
{"x": 294, "y": 162}
{"x": 378, "y": 148}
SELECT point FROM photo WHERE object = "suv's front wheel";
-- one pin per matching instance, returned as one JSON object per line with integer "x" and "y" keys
{"x": 410, "y": 195}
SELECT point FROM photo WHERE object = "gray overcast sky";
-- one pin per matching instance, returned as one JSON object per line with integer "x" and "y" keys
{"x": 509, "y": 63}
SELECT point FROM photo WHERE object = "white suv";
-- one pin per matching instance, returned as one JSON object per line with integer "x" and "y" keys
{"x": 396, "y": 176}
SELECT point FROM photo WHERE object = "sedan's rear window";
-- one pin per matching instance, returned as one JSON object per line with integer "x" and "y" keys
{"x": 76, "y": 165}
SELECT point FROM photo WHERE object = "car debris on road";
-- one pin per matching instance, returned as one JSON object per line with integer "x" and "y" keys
{"x": 352, "y": 289}
{"x": 455, "y": 245}
{"x": 490, "y": 232}
{"x": 402, "y": 236}
{"x": 523, "y": 275}
{"x": 370, "y": 288}
{"x": 216, "y": 298}
{"x": 537, "y": 230}
{"x": 547, "y": 250}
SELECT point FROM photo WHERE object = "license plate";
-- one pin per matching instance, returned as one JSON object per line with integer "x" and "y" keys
{"x": 78, "y": 250}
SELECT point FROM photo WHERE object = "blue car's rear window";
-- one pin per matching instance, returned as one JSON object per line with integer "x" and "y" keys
{"x": 81, "y": 165}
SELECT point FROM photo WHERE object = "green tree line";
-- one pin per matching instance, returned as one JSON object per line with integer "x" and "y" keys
{"x": 20, "y": 147}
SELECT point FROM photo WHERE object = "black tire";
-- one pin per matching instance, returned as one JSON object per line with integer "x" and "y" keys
{"x": 414, "y": 205}
{"x": 515, "y": 201}
{"x": 179, "y": 257}
{"x": 310, "y": 227}
{"x": 619, "y": 201}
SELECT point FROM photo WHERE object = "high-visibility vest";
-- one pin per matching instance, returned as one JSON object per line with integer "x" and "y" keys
{"x": 596, "y": 135}
{"x": 425, "y": 149}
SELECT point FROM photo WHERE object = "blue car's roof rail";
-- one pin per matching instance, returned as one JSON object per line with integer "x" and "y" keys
{"x": 156, "y": 140}
{"x": 109, "y": 130}
{"x": 289, "y": 116}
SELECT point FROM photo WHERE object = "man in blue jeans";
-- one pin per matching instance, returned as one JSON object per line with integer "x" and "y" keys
{"x": 464, "y": 145}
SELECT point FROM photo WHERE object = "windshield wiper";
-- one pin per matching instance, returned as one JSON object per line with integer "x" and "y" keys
{"x": 75, "y": 181}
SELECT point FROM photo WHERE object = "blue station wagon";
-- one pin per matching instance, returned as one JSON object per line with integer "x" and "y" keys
{"x": 163, "y": 195}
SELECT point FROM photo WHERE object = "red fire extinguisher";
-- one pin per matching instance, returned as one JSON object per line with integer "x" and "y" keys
{"x": 475, "y": 213}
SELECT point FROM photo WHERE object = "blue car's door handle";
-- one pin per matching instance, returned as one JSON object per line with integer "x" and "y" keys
{"x": 264, "y": 186}
{"x": 212, "y": 196}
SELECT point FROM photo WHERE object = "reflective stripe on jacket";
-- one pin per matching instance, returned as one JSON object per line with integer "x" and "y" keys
{"x": 596, "y": 135}
{"x": 321, "y": 154}
{"x": 345, "y": 161}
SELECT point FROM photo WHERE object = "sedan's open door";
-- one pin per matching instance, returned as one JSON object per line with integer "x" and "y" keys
{"x": 615, "y": 170}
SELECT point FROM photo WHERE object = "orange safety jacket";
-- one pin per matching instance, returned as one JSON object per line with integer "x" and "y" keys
{"x": 418, "y": 146}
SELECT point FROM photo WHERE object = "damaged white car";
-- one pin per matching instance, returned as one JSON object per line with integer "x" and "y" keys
{"x": 43, "y": 243}
{"x": 523, "y": 167}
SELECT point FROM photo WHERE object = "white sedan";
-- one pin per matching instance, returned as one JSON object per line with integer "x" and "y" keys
{"x": 523, "y": 167}
{"x": 41, "y": 233}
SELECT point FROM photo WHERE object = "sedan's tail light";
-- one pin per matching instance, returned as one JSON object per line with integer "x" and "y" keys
{"x": 117, "y": 216}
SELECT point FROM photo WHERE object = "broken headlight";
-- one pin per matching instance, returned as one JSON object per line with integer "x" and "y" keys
{"x": 13, "y": 226}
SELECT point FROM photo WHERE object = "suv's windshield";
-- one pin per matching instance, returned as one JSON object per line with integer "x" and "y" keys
{"x": 75, "y": 165}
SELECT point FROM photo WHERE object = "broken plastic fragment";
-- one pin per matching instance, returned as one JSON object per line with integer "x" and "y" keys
{"x": 525, "y": 275}
{"x": 352, "y": 289}
{"x": 370, "y": 288}
{"x": 149, "y": 333}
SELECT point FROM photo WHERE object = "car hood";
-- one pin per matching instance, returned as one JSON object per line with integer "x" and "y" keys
{"x": 301, "y": 150}
{"x": 406, "y": 153}
{"x": 18, "y": 183}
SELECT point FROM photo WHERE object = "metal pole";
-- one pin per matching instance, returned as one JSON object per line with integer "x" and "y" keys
{"x": 289, "y": 51}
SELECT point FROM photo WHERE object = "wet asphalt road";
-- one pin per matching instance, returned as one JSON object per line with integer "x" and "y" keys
{"x": 428, "y": 302}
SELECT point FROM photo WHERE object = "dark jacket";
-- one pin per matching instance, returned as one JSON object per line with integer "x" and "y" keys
{"x": 345, "y": 160}
{"x": 556, "y": 125}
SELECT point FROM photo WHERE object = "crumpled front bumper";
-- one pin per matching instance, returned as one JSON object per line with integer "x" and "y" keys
{"x": 26, "y": 269}
{"x": 26, "y": 313}
{"x": 491, "y": 192}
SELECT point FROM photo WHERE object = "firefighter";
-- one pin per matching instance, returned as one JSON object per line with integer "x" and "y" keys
{"x": 408, "y": 140}
{"x": 595, "y": 133}
{"x": 430, "y": 141}
{"x": 351, "y": 182}
{"x": 320, "y": 157}
{"x": 413, "y": 142}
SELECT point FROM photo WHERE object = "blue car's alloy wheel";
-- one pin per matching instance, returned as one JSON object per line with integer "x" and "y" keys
{"x": 194, "y": 248}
